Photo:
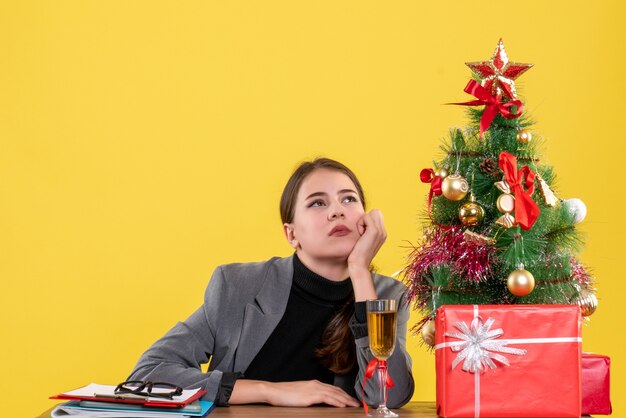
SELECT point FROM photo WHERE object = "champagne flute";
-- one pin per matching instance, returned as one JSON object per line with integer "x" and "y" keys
{"x": 381, "y": 327}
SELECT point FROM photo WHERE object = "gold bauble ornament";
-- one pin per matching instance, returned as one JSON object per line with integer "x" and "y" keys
{"x": 441, "y": 173}
{"x": 524, "y": 137}
{"x": 471, "y": 213}
{"x": 454, "y": 187}
{"x": 520, "y": 282}
{"x": 428, "y": 333}
{"x": 587, "y": 301}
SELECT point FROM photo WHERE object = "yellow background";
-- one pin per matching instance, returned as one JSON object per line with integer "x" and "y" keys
{"x": 143, "y": 143}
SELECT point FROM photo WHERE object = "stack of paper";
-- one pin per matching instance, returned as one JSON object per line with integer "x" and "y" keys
{"x": 86, "y": 409}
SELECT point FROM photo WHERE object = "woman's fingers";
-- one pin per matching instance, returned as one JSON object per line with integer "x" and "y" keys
{"x": 339, "y": 402}
{"x": 371, "y": 227}
{"x": 336, "y": 397}
{"x": 375, "y": 223}
{"x": 333, "y": 395}
{"x": 361, "y": 225}
{"x": 311, "y": 392}
{"x": 377, "y": 219}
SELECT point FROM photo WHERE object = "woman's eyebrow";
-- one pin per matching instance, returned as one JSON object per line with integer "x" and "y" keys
{"x": 323, "y": 194}
{"x": 316, "y": 194}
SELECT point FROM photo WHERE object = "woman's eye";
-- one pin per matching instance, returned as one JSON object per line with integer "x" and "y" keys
{"x": 316, "y": 203}
{"x": 350, "y": 199}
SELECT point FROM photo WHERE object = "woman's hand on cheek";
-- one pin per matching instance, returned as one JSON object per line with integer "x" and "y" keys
{"x": 373, "y": 235}
{"x": 371, "y": 227}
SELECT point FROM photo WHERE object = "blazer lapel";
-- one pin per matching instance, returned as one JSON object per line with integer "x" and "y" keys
{"x": 261, "y": 317}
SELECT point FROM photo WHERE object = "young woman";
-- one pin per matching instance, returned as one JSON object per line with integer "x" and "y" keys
{"x": 293, "y": 331}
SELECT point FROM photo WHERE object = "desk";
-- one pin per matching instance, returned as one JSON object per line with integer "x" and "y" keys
{"x": 411, "y": 410}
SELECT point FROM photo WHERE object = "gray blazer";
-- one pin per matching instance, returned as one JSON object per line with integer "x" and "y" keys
{"x": 243, "y": 303}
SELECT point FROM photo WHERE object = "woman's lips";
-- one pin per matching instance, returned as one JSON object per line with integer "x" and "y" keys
{"x": 340, "y": 231}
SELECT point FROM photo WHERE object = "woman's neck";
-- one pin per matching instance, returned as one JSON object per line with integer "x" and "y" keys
{"x": 331, "y": 269}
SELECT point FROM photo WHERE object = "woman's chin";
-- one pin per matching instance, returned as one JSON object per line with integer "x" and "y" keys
{"x": 341, "y": 250}
{"x": 336, "y": 251}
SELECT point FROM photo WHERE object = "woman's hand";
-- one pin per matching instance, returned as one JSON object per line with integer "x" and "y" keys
{"x": 301, "y": 393}
{"x": 371, "y": 227}
{"x": 307, "y": 393}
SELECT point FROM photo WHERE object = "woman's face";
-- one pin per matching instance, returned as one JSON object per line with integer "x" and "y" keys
{"x": 327, "y": 209}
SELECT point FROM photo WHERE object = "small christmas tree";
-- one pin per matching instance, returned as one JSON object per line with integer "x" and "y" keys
{"x": 496, "y": 233}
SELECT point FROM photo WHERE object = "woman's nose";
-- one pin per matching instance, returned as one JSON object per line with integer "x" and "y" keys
{"x": 336, "y": 211}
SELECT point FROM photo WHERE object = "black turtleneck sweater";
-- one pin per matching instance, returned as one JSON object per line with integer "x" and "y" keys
{"x": 288, "y": 354}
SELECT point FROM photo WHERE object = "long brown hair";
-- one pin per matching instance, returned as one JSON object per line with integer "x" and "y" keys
{"x": 337, "y": 350}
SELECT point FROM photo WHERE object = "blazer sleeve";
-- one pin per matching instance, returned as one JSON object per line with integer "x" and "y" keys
{"x": 399, "y": 363}
{"x": 177, "y": 356}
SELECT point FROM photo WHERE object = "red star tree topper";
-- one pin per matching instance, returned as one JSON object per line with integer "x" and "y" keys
{"x": 498, "y": 73}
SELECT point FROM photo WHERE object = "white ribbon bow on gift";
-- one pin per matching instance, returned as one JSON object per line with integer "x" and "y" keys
{"x": 479, "y": 347}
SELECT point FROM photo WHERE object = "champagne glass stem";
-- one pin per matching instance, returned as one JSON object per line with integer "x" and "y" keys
{"x": 382, "y": 384}
{"x": 382, "y": 410}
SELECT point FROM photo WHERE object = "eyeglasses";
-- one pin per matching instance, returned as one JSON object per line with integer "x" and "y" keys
{"x": 155, "y": 389}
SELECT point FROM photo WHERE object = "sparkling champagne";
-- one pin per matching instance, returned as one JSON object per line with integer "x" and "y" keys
{"x": 381, "y": 327}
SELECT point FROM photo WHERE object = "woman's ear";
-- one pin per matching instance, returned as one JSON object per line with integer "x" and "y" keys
{"x": 290, "y": 235}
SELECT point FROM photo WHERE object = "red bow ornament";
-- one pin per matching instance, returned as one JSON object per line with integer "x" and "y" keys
{"x": 427, "y": 175}
{"x": 493, "y": 105}
{"x": 522, "y": 183}
{"x": 372, "y": 366}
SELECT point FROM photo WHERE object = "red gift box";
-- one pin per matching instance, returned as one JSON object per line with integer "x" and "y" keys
{"x": 508, "y": 361}
{"x": 596, "y": 388}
